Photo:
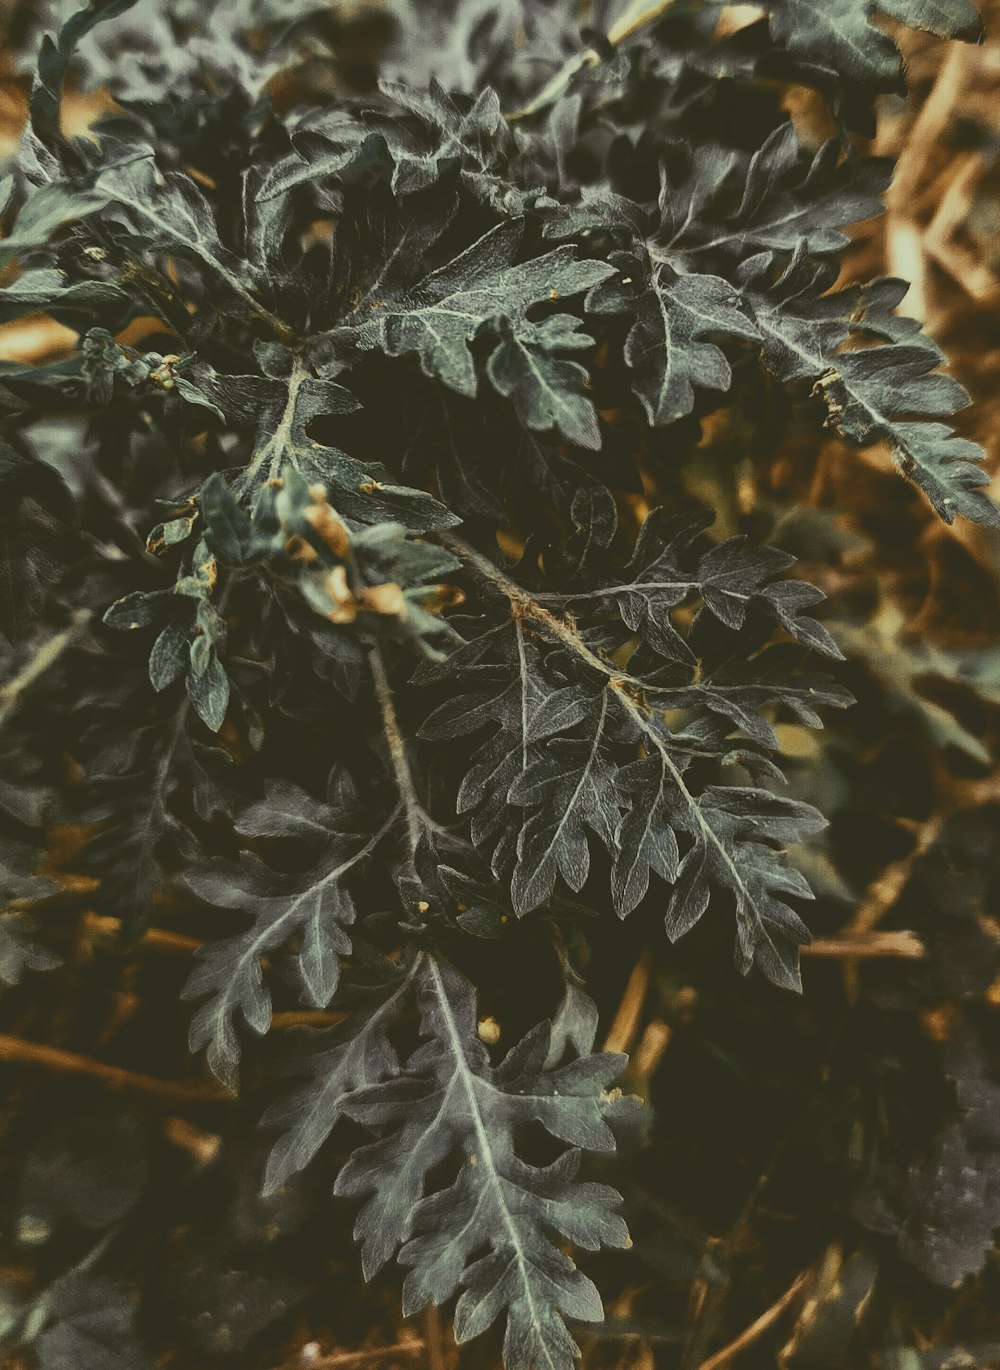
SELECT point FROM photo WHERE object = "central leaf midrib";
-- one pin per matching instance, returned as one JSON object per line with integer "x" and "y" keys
{"x": 486, "y": 1157}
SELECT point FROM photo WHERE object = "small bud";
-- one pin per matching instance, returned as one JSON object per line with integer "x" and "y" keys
{"x": 345, "y": 609}
{"x": 384, "y": 599}
{"x": 327, "y": 522}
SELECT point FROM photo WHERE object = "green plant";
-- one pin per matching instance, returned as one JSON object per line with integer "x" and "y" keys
{"x": 371, "y": 593}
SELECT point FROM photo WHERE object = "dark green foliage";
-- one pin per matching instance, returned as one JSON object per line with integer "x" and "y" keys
{"x": 448, "y": 1097}
{"x": 409, "y": 353}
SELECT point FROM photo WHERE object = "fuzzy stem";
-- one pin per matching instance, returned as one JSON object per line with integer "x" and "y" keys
{"x": 397, "y": 748}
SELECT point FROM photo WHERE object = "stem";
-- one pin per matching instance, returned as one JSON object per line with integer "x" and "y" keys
{"x": 156, "y": 939}
{"x": 525, "y": 605}
{"x": 277, "y": 444}
{"x": 866, "y": 946}
{"x": 434, "y": 1339}
{"x": 639, "y": 15}
{"x": 756, "y": 1329}
{"x": 397, "y": 749}
{"x": 70, "y": 1063}
{"x": 348, "y": 1360}
{"x": 625, "y": 1024}
{"x": 713, "y": 1303}
{"x": 47, "y": 655}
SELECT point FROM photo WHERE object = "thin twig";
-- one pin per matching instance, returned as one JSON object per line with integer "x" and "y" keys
{"x": 341, "y": 1360}
{"x": 525, "y": 605}
{"x": 47, "y": 655}
{"x": 639, "y": 15}
{"x": 714, "y": 1297}
{"x": 435, "y": 1340}
{"x": 397, "y": 748}
{"x": 156, "y": 939}
{"x": 311, "y": 1018}
{"x": 625, "y": 1025}
{"x": 867, "y": 946}
{"x": 647, "y": 1055}
{"x": 756, "y": 1329}
{"x": 886, "y": 888}
{"x": 19, "y": 1051}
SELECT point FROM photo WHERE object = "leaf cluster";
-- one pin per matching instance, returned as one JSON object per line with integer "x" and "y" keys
{"x": 357, "y": 545}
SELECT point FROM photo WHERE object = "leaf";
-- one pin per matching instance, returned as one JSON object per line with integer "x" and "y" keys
{"x": 866, "y": 398}
{"x": 36, "y": 538}
{"x": 54, "y": 59}
{"x": 841, "y": 35}
{"x": 732, "y": 205}
{"x": 351, "y": 1057}
{"x": 90, "y": 1168}
{"x": 546, "y": 391}
{"x": 458, "y": 47}
{"x": 522, "y": 705}
{"x": 645, "y": 843}
{"x": 439, "y": 134}
{"x": 169, "y": 211}
{"x": 169, "y": 657}
{"x": 315, "y": 908}
{"x": 482, "y": 291}
{"x": 91, "y": 1327}
{"x": 48, "y": 208}
{"x": 871, "y": 392}
{"x": 44, "y": 291}
{"x": 905, "y": 667}
{"x": 452, "y": 1102}
{"x": 567, "y": 791}
{"x": 665, "y": 350}
{"x": 208, "y": 686}
{"x": 732, "y": 578}
{"x": 19, "y": 953}
{"x": 745, "y": 693}
{"x": 573, "y": 772}
{"x": 153, "y": 56}
{"x": 228, "y": 530}
{"x": 134, "y": 781}
{"x": 282, "y": 407}
{"x": 727, "y": 852}
{"x": 944, "y": 1207}
{"x": 25, "y": 808}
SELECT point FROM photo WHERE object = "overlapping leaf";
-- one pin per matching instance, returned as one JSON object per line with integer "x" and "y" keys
{"x": 482, "y": 292}
{"x": 666, "y": 350}
{"x": 732, "y": 205}
{"x": 282, "y": 403}
{"x": 452, "y": 1102}
{"x": 316, "y": 908}
{"x": 841, "y": 35}
{"x": 891, "y": 392}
